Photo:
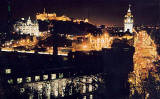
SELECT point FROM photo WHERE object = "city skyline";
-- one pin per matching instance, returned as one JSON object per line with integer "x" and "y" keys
{"x": 98, "y": 11}
{"x": 80, "y": 49}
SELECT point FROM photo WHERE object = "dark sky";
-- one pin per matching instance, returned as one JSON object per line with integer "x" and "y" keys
{"x": 107, "y": 12}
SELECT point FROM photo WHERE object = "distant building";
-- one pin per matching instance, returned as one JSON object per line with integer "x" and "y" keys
{"x": 128, "y": 21}
{"x": 80, "y": 20}
{"x": 53, "y": 16}
{"x": 27, "y": 27}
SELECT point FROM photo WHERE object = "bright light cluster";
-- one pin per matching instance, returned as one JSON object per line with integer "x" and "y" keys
{"x": 91, "y": 42}
{"x": 144, "y": 56}
{"x": 53, "y": 16}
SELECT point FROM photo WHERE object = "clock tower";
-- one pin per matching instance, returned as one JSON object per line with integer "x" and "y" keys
{"x": 128, "y": 21}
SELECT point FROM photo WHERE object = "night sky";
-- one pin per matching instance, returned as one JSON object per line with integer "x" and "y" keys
{"x": 108, "y": 12}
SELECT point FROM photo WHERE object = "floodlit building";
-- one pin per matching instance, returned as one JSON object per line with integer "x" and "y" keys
{"x": 27, "y": 27}
{"x": 51, "y": 16}
{"x": 80, "y": 20}
{"x": 128, "y": 21}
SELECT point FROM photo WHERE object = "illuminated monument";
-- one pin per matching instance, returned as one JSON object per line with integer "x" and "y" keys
{"x": 128, "y": 21}
{"x": 27, "y": 27}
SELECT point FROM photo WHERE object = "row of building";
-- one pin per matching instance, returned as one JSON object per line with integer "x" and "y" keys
{"x": 32, "y": 28}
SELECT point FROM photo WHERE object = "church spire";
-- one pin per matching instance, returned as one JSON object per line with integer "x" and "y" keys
{"x": 44, "y": 11}
{"x": 29, "y": 18}
{"x": 129, "y": 10}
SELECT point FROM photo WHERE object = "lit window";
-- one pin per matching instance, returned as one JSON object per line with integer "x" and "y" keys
{"x": 45, "y": 77}
{"x": 91, "y": 96}
{"x": 65, "y": 58}
{"x": 22, "y": 90}
{"x": 90, "y": 80}
{"x": 84, "y": 80}
{"x": 37, "y": 78}
{"x": 53, "y": 76}
{"x": 28, "y": 79}
{"x": 8, "y": 71}
{"x": 85, "y": 97}
{"x": 19, "y": 80}
{"x": 73, "y": 56}
{"x": 10, "y": 81}
{"x": 60, "y": 75}
{"x": 90, "y": 88}
{"x": 84, "y": 89}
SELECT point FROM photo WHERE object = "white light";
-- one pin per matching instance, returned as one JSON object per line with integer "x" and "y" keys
{"x": 45, "y": 77}
{"x": 53, "y": 76}
{"x": 84, "y": 88}
{"x": 37, "y": 78}
{"x": 90, "y": 88}
{"x": 91, "y": 96}
{"x": 28, "y": 79}
{"x": 19, "y": 80}
{"x": 10, "y": 81}
{"x": 8, "y": 71}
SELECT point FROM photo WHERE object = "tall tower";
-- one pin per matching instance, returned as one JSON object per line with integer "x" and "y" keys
{"x": 128, "y": 21}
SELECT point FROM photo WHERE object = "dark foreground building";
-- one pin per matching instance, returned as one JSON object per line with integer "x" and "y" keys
{"x": 116, "y": 63}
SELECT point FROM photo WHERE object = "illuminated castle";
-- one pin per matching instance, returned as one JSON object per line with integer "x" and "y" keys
{"x": 128, "y": 21}
{"x": 52, "y": 16}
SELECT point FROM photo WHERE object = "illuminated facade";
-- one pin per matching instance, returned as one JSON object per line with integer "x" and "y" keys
{"x": 53, "y": 16}
{"x": 79, "y": 20}
{"x": 128, "y": 21}
{"x": 90, "y": 42}
{"x": 28, "y": 27}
